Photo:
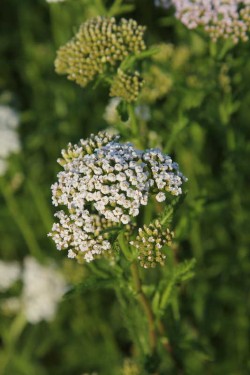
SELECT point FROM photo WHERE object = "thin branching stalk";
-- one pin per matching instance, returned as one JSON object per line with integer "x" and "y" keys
{"x": 22, "y": 223}
{"x": 145, "y": 306}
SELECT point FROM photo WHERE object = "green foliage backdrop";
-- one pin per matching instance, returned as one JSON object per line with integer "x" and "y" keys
{"x": 202, "y": 120}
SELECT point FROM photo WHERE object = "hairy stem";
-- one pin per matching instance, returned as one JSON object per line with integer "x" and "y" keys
{"x": 134, "y": 126}
{"x": 145, "y": 306}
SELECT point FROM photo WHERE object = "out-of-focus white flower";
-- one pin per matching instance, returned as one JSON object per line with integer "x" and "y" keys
{"x": 163, "y": 3}
{"x": 10, "y": 272}
{"x": 43, "y": 288}
{"x": 55, "y": 1}
{"x": 111, "y": 114}
{"x": 142, "y": 112}
{"x": 220, "y": 18}
{"x": 11, "y": 305}
{"x": 9, "y": 140}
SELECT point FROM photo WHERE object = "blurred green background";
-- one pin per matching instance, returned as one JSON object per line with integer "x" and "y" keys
{"x": 202, "y": 121}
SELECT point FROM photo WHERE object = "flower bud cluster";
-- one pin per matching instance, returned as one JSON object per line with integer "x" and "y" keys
{"x": 149, "y": 243}
{"x": 220, "y": 18}
{"x": 130, "y": 367}
{"x": 99, "y": 44}
{"x": 126, "y": 85}
{"x": 104, "y": 184}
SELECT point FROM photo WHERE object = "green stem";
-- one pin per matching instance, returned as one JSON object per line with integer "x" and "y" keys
{"x": 135, "y": 129}
{"x": 145, "y": 306}
{"x": 41, "y": 205}
{"x": 22, "y": 223}
{"x": 100, "y": 7}
{"x": 114, "y": 8}
{"x": 12, "y": 336}
{"x": 97, "y": 271}
{"x": 134, "y": 126}
{"x": 124, "y": 247}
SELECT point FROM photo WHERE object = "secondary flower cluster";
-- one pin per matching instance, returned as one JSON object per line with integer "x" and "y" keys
{"x": 99, "y": 47}
{"x": 149, "y": 243}
{"x": 9, "y": 140}
{"x": 220, "y": 18}
{"x": 104, "y": 184}
{"x": 126, "y": 86}
{"x": 42, "y": 288}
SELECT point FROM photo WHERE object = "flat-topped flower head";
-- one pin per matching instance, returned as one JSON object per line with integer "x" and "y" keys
{"x": 150, "y": 242}
{"x": 100, "y": 44}
{"x": 220, "y": 18}
{"x": 109, "y": 180}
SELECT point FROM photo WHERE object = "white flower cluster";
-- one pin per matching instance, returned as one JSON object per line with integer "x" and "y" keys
{"x": 55, "y": 1}
{"x": 43, "y": 287}
{"x": 220, "y": 18}
{"x": 9, "y": 140}
{"x": 165, "y": 175}
{"x": 105, "y": 178}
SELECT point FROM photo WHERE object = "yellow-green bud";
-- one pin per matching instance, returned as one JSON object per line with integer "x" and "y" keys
{"x": 149, "y": 243}
{"x": 99, "y": 43}
{"x": 126, "y": 86}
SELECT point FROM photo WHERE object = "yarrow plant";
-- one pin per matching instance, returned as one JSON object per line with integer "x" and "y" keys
{"x": 110, "y": 194}
{"x": 220, "y": 18}
{"x": 98, "y": 49}
{"x": 105, "y": 183}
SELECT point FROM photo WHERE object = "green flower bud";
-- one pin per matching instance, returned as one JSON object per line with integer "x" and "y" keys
{"x": 126, "y": 86}
{"x": 150, "y": 241}
{"x": 99, "y": 44}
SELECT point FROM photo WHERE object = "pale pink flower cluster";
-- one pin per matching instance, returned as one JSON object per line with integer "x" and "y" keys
{"x": 220, "y": 18}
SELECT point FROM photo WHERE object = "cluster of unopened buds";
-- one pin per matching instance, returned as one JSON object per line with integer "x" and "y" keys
{"x": 103, "y": 185}
{"x": 150, "y": 241}
{"x": 220, "y": 18}
{"x": 99, "y": 48}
